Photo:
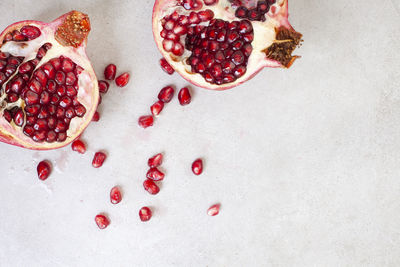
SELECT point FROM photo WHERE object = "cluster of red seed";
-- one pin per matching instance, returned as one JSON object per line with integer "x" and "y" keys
{"x": 26, "y": 33}
{"x": 255, "y": 13}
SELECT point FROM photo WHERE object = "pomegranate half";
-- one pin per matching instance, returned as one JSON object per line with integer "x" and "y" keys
{"x": 219, "y": 44}
{"x": 49, "y": 91}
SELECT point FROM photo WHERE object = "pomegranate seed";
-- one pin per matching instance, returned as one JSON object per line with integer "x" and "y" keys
{"x": 102, "y": 221}
{"x": 166, "y": 67}
{"x": 145, "y": 214}
{"x": 155, "y": 174}
{"x": 98, "y": 159}
{"x": 43, "y": 170}
{"x": 155, "y": 161}
{"x": 103, "y": 86}
{"x": 79, "y": 146}
{"x": 96, "y": 116}
{"x": 166, "y": 94}
{"x": 30, "y": 32}
{"x": 115, "y": 195}
{"x": 110, "y": 72}
{"x": 157, "y": 107}
{"x": 184, "y": 96}
{"x": 210, "y": 2}
{"x": 122, "y": 79}
{"x": 206, "y": 15}
{"x": 197, "y": 166}
{"x": 151, "y": 187}
{"x": 213, "y": 210}
{"x": 146, "y": 121}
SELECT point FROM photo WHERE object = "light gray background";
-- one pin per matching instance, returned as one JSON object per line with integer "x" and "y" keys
{"x": 305, "y": 162}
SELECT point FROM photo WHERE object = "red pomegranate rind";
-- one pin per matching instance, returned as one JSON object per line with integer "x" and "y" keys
{"x": 122, "y": 80}
{"x": 115, "y": 195}
{"x": 166, "y": 67}
{"x": 50, "y": 93}
{"x": 155, "y": 161}
{"x": 155, "y": 174}
{"x": 151, "y": 187}
{"x": 213, "y": 210}
{"x": 184, "y": 96}
{"x": 98, "y": 159}
{"x": 145, "y": 214}
{"x": 43, "y": 170}
{"x": 102, "y": 221}
{"x": 79, "y": 146}
{"x": 197, "y": 167}
{"x": 110, "y": 71}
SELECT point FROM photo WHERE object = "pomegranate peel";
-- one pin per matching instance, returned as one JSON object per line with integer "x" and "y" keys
{"x": 201, "y": 41}
{"x": 47, "y": 78}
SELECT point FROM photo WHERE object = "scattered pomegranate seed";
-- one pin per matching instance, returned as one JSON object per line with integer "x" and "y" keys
{"x": 166, "y": 66}
{"x": 151, "y": 187}
{"x": 184, "y": 96}
{"x": 103, "y": 86}
{"x": 115, "y": 195}
{"x": 122, "y": 79}
{"x": 79, "y": 146}
{"x": 146, "y": 121}
{"x": 155, "y": 161}
{"x": 155, "y": 174}
{"x": 43, "y": 170}
{"x": 197, "y": 166}
{"x": 145, "y": 214}
{"x": 110, "y": 72}
{"x": 157, "y": 107}
{"x": 96, "y": 116}
{"x": 102, "y": 221}
{"x": 166, "y": 94}
{"x": 213, "y": 210}
{"x": 98, "y": 159}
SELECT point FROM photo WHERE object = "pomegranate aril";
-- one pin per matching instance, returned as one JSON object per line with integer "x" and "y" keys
{"x": 239, "y": 71}
{"x": 197, "y": 167}
{"x": 35, "y": 86}
{"x": 156, "y": 108}
{"x": 51, "y": 137}
{"x": 146, "y": 121}
{"x": 115, "y": 195}
{"x": 65, "y": 102}
{"x": 155, "y": 161}
{"x": 194, "y": 18}
{"x": 96, "y": 116}
{"x": 70, "y": 78}
{"x": 60, "y": 77}
{"x": 78, "y": 146}
{"x": 98, "y": 159}
{"x": 166, "y": 94}
{"x": 51, "y": 86}
{"x": 12, "y": 97}
{"x": 60, "y": 127}
{"x": 40, "y": 125}
{"x": 103, "y": 86}
{"x": 25, "y": 67}
{"x": 184, "y": 96}
{"x": 19, "y": 118}
{"x": 71, "y": 91}
{"x": 166, "y": 67}
{"x": 28, "y": 130}
{"x": 51, "y": 122}
{"x": 7, "y": 115}
{"x": 110, "y": 71}
{"x": 80, "y": 111}
{"x": 178, "y": 49}
{"x": 151, "y": 187}
{"x": 145, "y": 214}
{"x": 122, "y": 79}
{"x": 213, "y": 210}
{"x": 102, "y": 221}
{"x": 61, "y": 137}
{"x": 263, "y": 7}
{"x": 67, "y": 65}
{"x": 56, "y": 62}
{"x": 43, "y": 170}
{"x": 210, "y": 2}
{"x": 241, "y": 12}
{"x": 155, "y": 174}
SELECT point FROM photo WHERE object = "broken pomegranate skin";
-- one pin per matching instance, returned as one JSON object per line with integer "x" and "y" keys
{"x": 43, "y": 170}
{"x": 122, "y": 80}
{"x": 98, "y": 159}
{"x": 151, "y": 187}
{"x": 78, "y": 146}
{"x": 213, "y": 210}
{"x": 156, "y": 108}
{"x": 155, "y": 174}
{"x": 184, "y": 96}
{"x": 146, "y": 121}
{"x": 102, "y": 221}
{"x": 42, "y": 78}
{"x": 155, "y": 161}
{"x": 110, "y": 71}
{"x": 145, "y": 214}
{"x": 115, "y": 195}
{"x": 103, "y": 86}
{"x": 166, "y": 94}
{"x": 221, "y": 44}
{"x": 166, "y": 67}
{"x": 197, "y": 167}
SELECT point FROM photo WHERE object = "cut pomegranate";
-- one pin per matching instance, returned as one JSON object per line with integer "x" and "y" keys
{"x": 166, "y": 94}
{"x": 102, "y": 221}
{"x": 157, "y": 107}
{"x": 146, "y": 121}
{"x": 98, "y": 159}
{"x": 184, "y": 96}
{"x": 155, "y": 161}
{"x": 145, "y": 214}
{"x": 115, "y": 195}
{"x": 151, "y": 187}
{"x": 223, "y": 43}
{"x": 197, "y": 166}
{"x": 43, "y": 170}
{"x": 166, "y": 67}
{"x": 79, "y": 146}
{"x": 96, "y": 116}
{"x": 155, "y": 174}
{"x": 50, "y": 91}
{"x": 103, "y": 86}
{"x": 213, "y": 210}
{"x": 110, "y": 72}
{"x": 122, "y": 80}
